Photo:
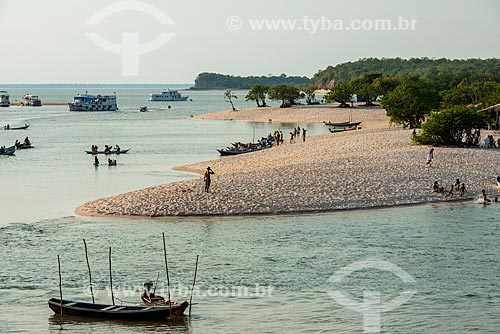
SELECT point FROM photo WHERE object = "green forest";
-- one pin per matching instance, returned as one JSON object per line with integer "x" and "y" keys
{"x": 396, "y": 67}
{"x": 222, "y": 81}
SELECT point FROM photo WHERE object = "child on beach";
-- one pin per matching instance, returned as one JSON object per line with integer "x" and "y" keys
{"x": 462, "y": 190}
{"x": 450, "y": 192}
{"x": 430, "y": 156}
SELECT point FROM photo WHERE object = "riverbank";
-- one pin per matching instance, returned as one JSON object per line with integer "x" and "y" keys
{"x": 377, "y": 166}
{"x": 18, "y": 103}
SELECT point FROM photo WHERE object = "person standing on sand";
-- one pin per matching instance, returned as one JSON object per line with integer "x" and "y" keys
{"x": 462, "y": 189}
{"x": 304, "y": 134}
{"x": 430, "y": 156}
{"x": 450, "y": 192}
{"x": 206, "y": 178}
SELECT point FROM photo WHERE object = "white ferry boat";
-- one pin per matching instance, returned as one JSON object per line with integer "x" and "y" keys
{"x": 31, "y": 100}
{"x": 85, "y": 102}
{"x": 4, "y": 99}
{"x": 167, "y": 95}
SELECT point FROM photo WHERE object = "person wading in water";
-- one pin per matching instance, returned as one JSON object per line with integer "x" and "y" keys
{"x": 206, "y": 178}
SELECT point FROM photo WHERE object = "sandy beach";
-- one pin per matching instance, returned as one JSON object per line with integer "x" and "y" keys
{"x": 376, "y": 166}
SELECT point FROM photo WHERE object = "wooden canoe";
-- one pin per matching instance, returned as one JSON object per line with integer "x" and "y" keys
{"x": 109, "y": 152}
{"x": 17, "y": 127}
{"x": 131, "y": 312}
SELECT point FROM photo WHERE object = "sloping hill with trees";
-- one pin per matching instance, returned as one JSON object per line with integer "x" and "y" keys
{"x": 397, "y": 67}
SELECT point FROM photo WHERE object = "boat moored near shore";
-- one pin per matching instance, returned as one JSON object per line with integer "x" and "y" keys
{"x": 31, "y": 100}
{"x": 4, "y": 99}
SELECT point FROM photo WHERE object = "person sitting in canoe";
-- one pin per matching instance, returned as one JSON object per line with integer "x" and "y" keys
{"x": 149, "y": 296}
{"x": 117, "y": 149}
{"x": 107, "y": 148}
{"x": 27, "y": 141}
{"x": 94, "y": 148}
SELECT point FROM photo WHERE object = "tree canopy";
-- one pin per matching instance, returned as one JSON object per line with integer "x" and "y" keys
{"x": 448, "y": 70}
{"x": 453, "y": 126}
{"x": 411, "y": 101}
{"x": 341, "y": 93}
{"x": 286, "y": 93}
{"x": 221, "y": 81}
{"x": 258, "y": 94}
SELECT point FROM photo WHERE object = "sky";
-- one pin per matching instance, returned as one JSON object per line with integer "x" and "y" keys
{"x": 149, "y": 41}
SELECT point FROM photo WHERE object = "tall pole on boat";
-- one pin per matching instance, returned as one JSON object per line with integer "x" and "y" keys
{"x": 90, "y": 273}
{"x": 156, "y": 283}
{"x": 166, "y": 269}
{"x": 111, "y": 278}
{"x": 60, "y": 285}
{"x": 194, "y": 281}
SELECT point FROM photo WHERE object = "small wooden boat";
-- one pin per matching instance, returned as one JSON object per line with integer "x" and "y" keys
{"x": 343, "y": 124}
{"x": 9, "y": 151}
{"x": 342, "y": 129}
{"x": 234, "y": 151}
{"x": 17, "y": 128}
{"x": 143, "y": 109}
{"x": 108, "y": 152}
{"x": 241, "y": 150}
{"x": 132, "y": 312}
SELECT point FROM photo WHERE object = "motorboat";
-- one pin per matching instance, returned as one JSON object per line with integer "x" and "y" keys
{"x": 167, "y": 95}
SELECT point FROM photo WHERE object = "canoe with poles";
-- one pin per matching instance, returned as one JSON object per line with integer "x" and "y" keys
{"x": 108, "y": 152}
{"x": 342, "y": 124}
{"x": 133, "y": 312}
{"x": 8, "y": 151}
{"x": 17, "y": 127}
{"x": 154, "y": 307}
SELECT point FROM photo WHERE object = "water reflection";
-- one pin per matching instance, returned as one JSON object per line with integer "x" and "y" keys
{"x": 78, "y": 324}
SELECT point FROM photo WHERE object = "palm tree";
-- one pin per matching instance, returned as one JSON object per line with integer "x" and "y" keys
{"x": 229, "y": 96}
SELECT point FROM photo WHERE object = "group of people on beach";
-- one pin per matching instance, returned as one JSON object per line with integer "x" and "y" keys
{"x": 448, "y": 192}
{"x": 296, "y": 134}
{"x": 489, "y": 142}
